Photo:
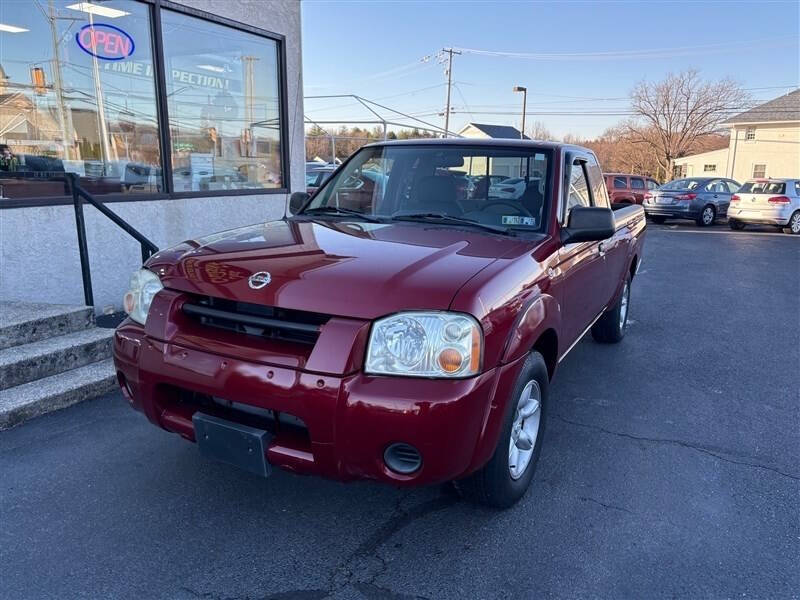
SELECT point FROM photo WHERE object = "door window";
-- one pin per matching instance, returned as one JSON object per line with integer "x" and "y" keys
{"x": 716, "y": 186}
{"x": 578, "y": 189}
{"x": 733, "y": 186}
{"x": 599, "y": 192}
{"x": 636, "y": 183}
{"x": 620, "y": 183}
{"x": 651, "y": 185}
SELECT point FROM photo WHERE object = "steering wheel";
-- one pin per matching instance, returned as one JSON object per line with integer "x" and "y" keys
{"x": 519, "y": 208}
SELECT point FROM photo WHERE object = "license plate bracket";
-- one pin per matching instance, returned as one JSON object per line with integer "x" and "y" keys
{"x": 238, "y": 445}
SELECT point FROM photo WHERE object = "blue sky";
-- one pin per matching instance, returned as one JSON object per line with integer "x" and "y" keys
{"x": 374, "y": 49}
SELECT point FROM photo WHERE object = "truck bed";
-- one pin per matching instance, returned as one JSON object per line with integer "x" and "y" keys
{"x": 627, "y": 214}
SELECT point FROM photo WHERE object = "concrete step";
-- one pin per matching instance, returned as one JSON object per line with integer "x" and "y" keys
{"x": 29, "y": 400}
{"x": 29, "y": 362}
{"x": 26, "y": 322}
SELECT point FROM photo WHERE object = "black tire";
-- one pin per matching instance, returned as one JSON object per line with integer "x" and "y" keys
{"x": 493, "y": 485}
{"x": 735, "y": 225}
{"x": 793, "y": 226}
{"x": 658, "y": 219}
{"x": 610, "y": 328}
{"x": 703, "y": 219}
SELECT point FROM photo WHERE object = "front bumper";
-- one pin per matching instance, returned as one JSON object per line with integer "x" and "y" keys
{"x": 349, "y": 420}
{"x": 762, "y": 216}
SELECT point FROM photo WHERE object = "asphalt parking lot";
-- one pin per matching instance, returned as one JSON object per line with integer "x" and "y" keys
{"x": 670, "y": 469}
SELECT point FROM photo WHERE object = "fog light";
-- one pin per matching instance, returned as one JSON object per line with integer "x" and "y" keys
{"x": 402, "y": 458}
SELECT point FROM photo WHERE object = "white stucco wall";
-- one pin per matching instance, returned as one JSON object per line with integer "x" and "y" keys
{"x": 38, "y": 246}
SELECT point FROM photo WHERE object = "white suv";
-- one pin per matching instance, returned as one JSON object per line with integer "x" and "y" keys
{"x": 767, "y": 202}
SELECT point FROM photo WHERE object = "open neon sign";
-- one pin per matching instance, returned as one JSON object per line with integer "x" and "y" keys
{"x": 106, "y": 42}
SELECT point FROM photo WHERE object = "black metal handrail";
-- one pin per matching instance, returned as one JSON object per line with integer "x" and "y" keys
{"x": 79, "y": 195}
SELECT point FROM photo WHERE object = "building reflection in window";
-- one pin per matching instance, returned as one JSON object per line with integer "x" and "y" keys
{"x": 224, "y": 105}
{"x": 77, "y": 94}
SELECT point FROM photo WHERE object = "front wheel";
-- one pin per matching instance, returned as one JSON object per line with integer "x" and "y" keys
{"x": 707, "y": 216}
{"x": 793, "y": 226}
{"x": 735, "y": 225}
{"x": 610, "y": 328}
{"x": 508, "y": 474}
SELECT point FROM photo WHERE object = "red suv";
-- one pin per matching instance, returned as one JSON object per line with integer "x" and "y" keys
{"x": 629, "y": 189}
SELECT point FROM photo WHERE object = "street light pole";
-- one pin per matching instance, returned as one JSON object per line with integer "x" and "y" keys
{"x": 524, "y": 90}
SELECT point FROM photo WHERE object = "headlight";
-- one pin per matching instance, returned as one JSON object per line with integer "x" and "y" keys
{"x": 143, "y": 287}
{"x": 425, "y": 344}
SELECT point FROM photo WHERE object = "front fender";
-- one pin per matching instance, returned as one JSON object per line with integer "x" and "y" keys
{"x": 541, "y": 314}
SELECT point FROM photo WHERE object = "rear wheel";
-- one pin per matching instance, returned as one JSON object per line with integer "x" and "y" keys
{"x": 707, "y": 216}
{"x": 735, "y": 225}
{"x": 658, "y": 219}
{"x": 508, "y": 474}
{"x": 793, "y": 226}
{"x": 610, "y": 328}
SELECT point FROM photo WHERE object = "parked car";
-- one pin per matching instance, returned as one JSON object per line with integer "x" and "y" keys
{"x": 316, "y": 176}
{"x": 623, "y": 188}
{"x": 513, "y": 187}
{"x": 135, "y": 176}
{"x": 382, "y": 332}
{"x": 767, "y": 202}
{"x": 701, "y": 199}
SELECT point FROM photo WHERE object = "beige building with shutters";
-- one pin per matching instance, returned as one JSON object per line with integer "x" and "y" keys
{"x": 765, "y": 142}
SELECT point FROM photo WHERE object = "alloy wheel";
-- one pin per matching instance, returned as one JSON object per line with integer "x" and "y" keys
{"x": 708, "y": 215}
{"x": 794, "y": 224}
{"x": 524, "y": 429}
{"x": 623, "y": 307}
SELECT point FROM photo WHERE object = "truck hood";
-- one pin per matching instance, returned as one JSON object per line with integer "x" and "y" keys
{"x": 360, "y": 270}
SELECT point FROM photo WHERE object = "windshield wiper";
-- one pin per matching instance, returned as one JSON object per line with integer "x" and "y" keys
{"x": 337, "y": 210}
{"x": 445, "y": 218}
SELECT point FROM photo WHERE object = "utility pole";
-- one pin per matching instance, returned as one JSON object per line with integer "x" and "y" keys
{"x": 449, "y": 52}
{"x": 64, "y": 114}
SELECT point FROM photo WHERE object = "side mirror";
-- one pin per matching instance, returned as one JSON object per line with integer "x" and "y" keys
{"x": 588, "y": 224}
{"x": 296, "y": 201}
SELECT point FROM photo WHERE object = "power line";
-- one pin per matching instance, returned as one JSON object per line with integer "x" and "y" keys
{"x": 635, "y": 54}
{"x": 464, "y": 100}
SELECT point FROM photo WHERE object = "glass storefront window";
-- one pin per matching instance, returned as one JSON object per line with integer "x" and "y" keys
{"x": 77, "y": 94}
{"x": 224, "y": 106}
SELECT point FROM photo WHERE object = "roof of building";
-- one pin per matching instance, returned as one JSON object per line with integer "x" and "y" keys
{"x": 784, "y": 108}
{"x": 497, "y": 131}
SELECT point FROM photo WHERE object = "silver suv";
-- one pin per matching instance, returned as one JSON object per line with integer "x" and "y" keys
{"x": 767, "y": 202}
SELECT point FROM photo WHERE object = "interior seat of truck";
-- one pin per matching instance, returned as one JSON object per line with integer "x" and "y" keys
{"x": 434, "y": 193}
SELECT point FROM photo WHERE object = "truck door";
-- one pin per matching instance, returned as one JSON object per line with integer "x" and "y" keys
{"x": 582, "y": 267}
{"x": 614, "y": 250}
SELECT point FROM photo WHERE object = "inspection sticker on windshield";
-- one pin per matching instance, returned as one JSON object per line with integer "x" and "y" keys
{"x": 517, "y": 220}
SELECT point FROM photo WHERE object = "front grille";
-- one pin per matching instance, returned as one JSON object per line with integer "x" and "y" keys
{"x": 261, "y": 418}
{"x": 267, "y": 322}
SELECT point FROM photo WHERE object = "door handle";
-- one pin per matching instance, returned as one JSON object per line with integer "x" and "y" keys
{"x": 601, "y": 248}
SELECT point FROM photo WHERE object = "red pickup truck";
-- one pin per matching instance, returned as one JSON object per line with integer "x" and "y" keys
{"x": 396, "y": 326}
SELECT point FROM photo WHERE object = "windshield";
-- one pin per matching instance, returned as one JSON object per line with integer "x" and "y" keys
{"x": 429, "y": 182}
{"x": 682, "y": 184}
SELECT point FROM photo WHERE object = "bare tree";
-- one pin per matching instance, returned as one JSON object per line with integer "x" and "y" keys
{"x": 674, "y": 114}
{"x": 538, "y": 131}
